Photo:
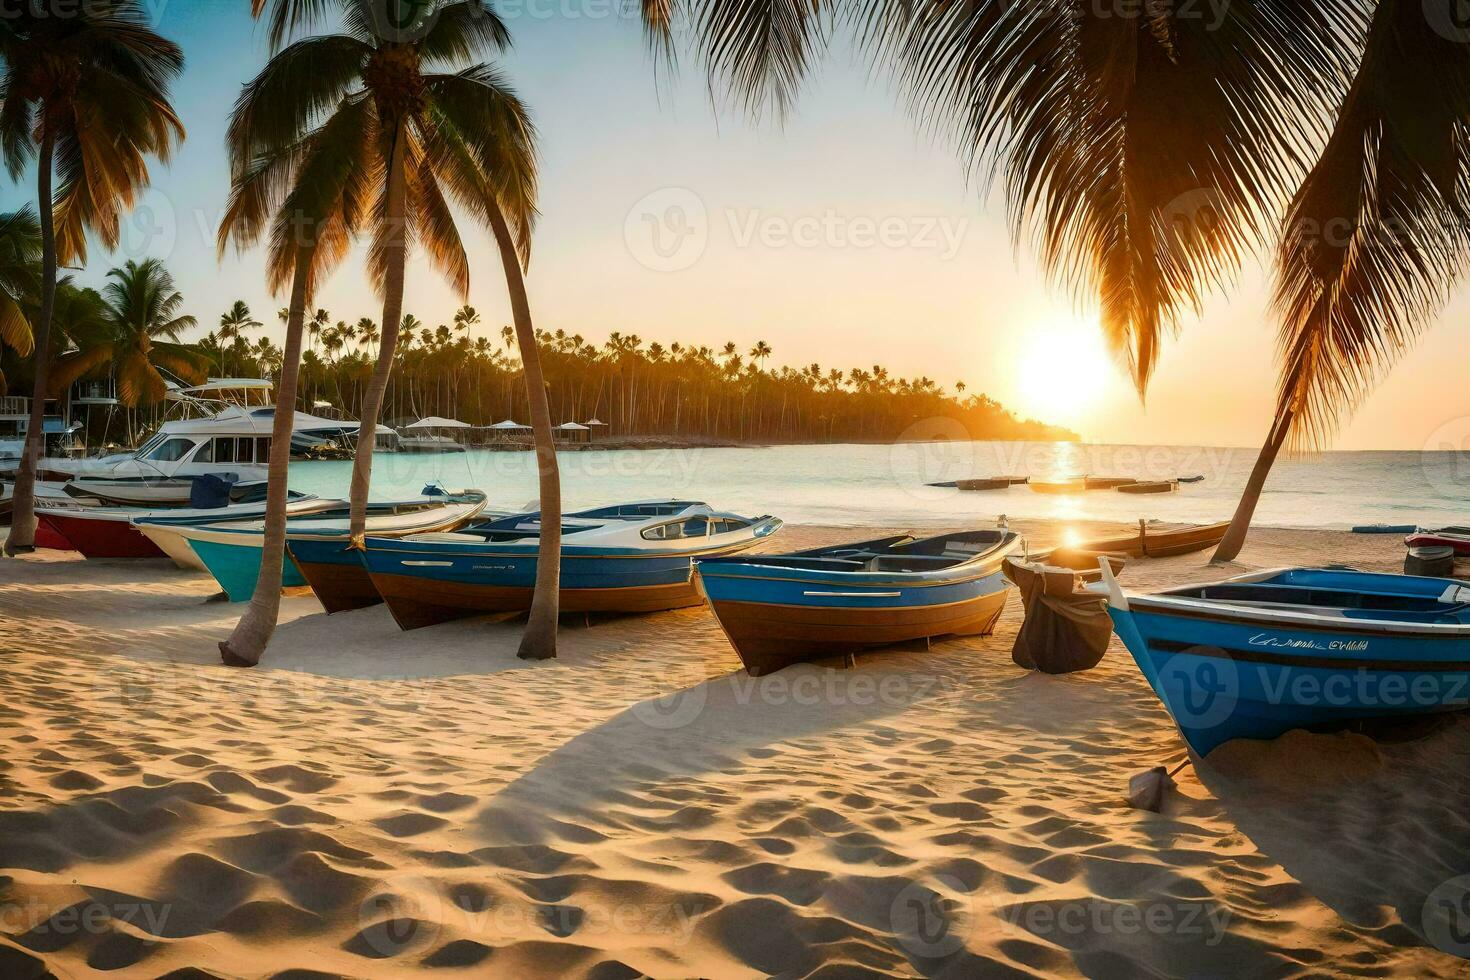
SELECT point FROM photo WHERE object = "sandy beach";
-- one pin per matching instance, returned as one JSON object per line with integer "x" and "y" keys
{"x": 370, "y": 802}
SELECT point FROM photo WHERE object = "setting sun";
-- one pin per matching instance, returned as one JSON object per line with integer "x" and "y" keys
{"x": 1064, "y": 370}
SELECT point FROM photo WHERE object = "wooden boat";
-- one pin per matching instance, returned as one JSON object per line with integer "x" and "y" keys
{"x": 1150, "y": 486}
{"x": 1060, "y": 485}
{"x": 1258, "y": 655}
{"x": 985, "y": 483}
{"x": 1146, "y": 542}
{"x": 779, "y": 610}
{"x": 1108, "y": 482}
{"x": 635, "y": 557}
{"x": 231, "y": 550}
{"x": 1196, "y": 478}
{"x": 1457, "y": 538}
{"x": 156, "y": 493}
{"x": 110, "y": 532}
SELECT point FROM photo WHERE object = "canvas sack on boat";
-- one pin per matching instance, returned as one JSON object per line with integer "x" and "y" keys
{"x": 1065, "y": 630}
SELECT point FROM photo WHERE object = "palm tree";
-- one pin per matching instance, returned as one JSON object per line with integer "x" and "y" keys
{"x": 143, "y": 327}
{"x": 233, "y": 323}
{"x": 308, "y": 198}
{"x": 425, "y": 134}
{"x": 1077, "y": 107}
{"x": 367, "y": 332}
{"x": 466, "y": 319}
{"x": 20, "y": 251}
{"x": 86, "y": 97}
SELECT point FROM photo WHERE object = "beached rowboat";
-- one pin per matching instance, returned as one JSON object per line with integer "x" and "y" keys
{"x": 1150, "y": 486}
{"x": 627, "y": 558}
{"x": 779, "y": 610}
{"x": 110, "y": 532}
{"x": 231, "y": 551}
{"x": 1258, "y": 655}
{"x": 1457, "y": 538}
{"x": 1060, "y": 485}
{"x": 1146, "y": 542}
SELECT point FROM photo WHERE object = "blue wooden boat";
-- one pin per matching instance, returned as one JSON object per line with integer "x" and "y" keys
{"x": 635, "y": 557}
{"x": 1258, "y": 655}
{"x": 779, "y": 610}
{"x": 231, "y": 550}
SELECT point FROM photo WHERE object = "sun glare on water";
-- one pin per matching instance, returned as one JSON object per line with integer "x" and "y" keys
{"x": 1064, "y": 371}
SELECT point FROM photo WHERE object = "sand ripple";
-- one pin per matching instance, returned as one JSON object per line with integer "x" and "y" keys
{"x": 372, "y": 802}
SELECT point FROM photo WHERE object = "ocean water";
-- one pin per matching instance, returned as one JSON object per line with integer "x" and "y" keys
{"x": 885, "y": 485}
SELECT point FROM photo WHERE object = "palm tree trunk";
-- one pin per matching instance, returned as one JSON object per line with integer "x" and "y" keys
{"x": 22, "y": 537}
{"x": 253, "y": 632}
{"x": 539, "y": 640}
{"x": 1240, "y": 524}
{"x": 372, "y": 401}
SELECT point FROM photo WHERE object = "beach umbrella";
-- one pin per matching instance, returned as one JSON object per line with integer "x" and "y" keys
{"x": 507, "y": 424}
{"x": 437, "y": 422}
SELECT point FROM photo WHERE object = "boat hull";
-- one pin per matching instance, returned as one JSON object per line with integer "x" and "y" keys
{"x": 335, "y": 572}
{"x": 768, "y": 637}
{"x": 236, "y": 566}
{"x": 101, "y": 538}
{"x": 49, "y": 537}
{"x": 1224, "y": 677}
{"x": 417, "y": 602}
{"x": 1461, "y": 543}
{"x": 422, "y": 588}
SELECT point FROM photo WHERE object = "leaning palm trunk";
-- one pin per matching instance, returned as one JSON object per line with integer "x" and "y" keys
{"x": 22, "y": 537}
{"x": 539, "y": 640}
{"x": 395, "y": 257}
{"x": 1240, "y": 524}
{"x": 247, "y": 643}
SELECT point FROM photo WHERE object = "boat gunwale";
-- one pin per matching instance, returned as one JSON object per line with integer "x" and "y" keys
{"x": 994, "y": 561}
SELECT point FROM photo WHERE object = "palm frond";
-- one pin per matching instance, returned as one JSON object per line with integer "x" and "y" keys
{"x": 285, "y": 17}
{"x": 291, "y": 94}
{"x": 1143, "y": 152}
{"x": 464, "y": 30}
{"x": 1380, "y": 230}
{"x": 483, "y": 141}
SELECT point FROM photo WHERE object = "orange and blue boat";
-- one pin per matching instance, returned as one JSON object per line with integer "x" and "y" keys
{"x": 779, "y": 610}
{"x": 627, "y": 558}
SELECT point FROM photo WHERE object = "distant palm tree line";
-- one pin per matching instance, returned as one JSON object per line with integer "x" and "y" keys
{"x": 636, "y": 387}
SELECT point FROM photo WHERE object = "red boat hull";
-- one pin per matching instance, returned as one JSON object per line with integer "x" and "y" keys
{"x": 48, "y": 537}
{"x": 99, "y": 538}
{"x": 1460, "y": 544}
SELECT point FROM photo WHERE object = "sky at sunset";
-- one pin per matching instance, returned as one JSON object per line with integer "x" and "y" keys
{"x": 843, "y": 237}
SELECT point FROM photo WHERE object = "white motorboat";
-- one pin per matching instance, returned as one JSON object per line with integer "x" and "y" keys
{"x": 225, "y": 431}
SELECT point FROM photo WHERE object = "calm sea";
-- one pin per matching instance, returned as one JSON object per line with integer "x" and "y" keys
{"x": 883, "y": 485}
